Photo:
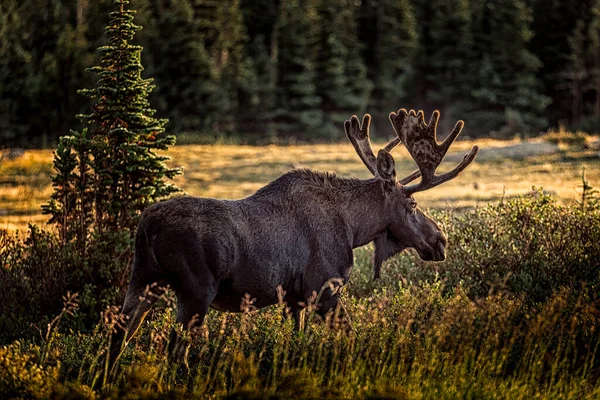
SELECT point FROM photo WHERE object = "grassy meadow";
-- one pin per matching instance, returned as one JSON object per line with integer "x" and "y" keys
{"x": 513, "y": 313}
{"x": 502, "y": 168}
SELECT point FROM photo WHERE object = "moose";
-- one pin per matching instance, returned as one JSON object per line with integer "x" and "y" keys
{"x": 296, "y": 233}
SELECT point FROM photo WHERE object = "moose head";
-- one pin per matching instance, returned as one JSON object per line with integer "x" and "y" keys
{"x": 410, "y": 227}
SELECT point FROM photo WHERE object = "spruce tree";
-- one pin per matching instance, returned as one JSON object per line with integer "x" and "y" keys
{"x": 258, "y": 102}
{"x": 119, "y": 155}
{"x": 388, "y": 31}
{"x": 14, "y": 58}
{"x": 341, "y": 80}
{"x": 553, "y": 23}
{"x": 186, "y": 76}
{"x": 506, "y": 95}
{"x": 443, "y": 56}
{"x": 299, "y": 111}
{"x": 225, "y": 37}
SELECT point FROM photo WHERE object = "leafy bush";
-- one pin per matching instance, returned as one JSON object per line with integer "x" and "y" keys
{"x": 527, "y": 245}
{"x": 415, "y": 342}
{"x": 37, "y": 272}
{"x": 21, "y": 375}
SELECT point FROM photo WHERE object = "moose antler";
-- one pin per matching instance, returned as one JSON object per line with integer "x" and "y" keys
{"x": 420, "y": 141}
{"x": 358, "y": 134}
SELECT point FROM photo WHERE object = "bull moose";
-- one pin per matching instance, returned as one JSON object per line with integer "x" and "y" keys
{"x": 296, "y": 233}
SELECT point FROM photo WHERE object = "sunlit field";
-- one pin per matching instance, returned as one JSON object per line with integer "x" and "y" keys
{"x": 502, "y": 169}
{"x": 512, "y": 313}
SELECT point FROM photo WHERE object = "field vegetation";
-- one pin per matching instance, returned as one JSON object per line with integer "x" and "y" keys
{"x": 512, "y": 313}
{"x": 229, "y": 171}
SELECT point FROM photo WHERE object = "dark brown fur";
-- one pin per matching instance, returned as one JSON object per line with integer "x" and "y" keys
{"x": 296, "y": 233}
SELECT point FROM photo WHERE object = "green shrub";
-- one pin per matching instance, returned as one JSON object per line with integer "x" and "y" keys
{"x": 21, "y": 375}
{"x": 527, "y": 245}
{"x": 38, "y": 271}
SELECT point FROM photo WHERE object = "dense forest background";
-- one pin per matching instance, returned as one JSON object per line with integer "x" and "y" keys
{"x": 296, "y": 69}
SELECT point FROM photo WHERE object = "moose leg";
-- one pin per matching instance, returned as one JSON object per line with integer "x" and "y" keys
{"x": 329, "y": 306}
{"x": 141, "y": 295}
{"x": 193, "y": 301}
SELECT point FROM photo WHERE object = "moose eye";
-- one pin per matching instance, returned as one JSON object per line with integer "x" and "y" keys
{"x": 413, "y": 205}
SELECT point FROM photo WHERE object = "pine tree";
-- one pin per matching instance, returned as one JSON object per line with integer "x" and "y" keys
{"x": 443, "y": 55}
{"x": 594, "y": 60}
{"x": 225, "y": 37}
{"x": 341, "y": 80}
{"x": 554, "y": 23}
{"x": 582, "y": 74}
{"x": 71, "y": 204}
{"x": 506, "y": 94}
{"x": 388, "y": 32}
{"x": 186, "y": 76}
{"x": 576, "y": 75}
{"x": 119, "y": 155}
{"x": 358, "y": 85}
{"x": 299, "y": 111}
{"x": 14, "y": 58}
{"x": 258, "y": 102}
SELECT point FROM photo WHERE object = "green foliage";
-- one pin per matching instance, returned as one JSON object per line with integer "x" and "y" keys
{"x": 109, "y": 172}
{"x": 388, "y": 30}
{"x": 527, "y": 245}
{"x": 299, "y": 106}
{"x": 582, "y": 73}
{"x": 414, "y": 342}
{"x": 505, "y": 93}
{"x": 21, "y": 375}
{"x": 341, "y": 73}
{"x": 40, "y": 270}
{"x": 514, "y": 306}
{"x": 189, "y": 103}
{"x": 223, "y": 67}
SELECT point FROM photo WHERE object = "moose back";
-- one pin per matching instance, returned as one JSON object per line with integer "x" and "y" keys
{"x": 297, "y": 232}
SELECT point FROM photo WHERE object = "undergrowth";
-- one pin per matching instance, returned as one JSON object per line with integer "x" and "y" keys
{"x": 514, "y": 312}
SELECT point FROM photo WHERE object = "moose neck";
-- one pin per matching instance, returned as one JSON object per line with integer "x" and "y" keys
{"x": 365, "y": 207}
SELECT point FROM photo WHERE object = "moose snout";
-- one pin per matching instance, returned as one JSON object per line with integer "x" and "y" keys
{"x": 439, "y": 250}
{"x": 435, "y": 251}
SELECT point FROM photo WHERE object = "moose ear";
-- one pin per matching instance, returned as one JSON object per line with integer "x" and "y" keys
{"x": 386, "y": 167}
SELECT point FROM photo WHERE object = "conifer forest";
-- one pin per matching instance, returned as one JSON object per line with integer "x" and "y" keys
{"x": 257, "y": 69}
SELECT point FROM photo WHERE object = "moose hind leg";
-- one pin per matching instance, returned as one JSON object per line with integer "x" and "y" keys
{"x": 193, "y": 301}
{"x": 140, "y": 297}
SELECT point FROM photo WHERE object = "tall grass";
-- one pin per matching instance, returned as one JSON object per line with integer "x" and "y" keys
{"x": 513, "y": 313}
{"x": 409, "y": 343}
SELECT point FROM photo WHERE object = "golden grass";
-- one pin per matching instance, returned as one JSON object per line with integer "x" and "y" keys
{"x": 232, "y": 171}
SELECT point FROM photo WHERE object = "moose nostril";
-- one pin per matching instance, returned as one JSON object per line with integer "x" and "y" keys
{"x": 440, "y": 249}
{"x": 443, "y": 239}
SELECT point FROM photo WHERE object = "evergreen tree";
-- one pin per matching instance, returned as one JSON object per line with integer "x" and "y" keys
{"x": 506, "y": 94}
{"x": 185, "y": 74}
{"x": 388, "y": 32}
{"x": 443, "y": 56}
{"x": 126, "y": 173}
{"x": 259, "y": 100}
{"x": 13, "y": 77}
{"x": 71, "y": 204}
{"x": 341, "y": 80}
{"x": 358, "y": 85}
{"x": 553, "y": 24}
{"x": 594, "y": 57}
{"x": 582, "y": 74}
{"x": 225, "y": 37}
{"x": 299, "y": 106}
